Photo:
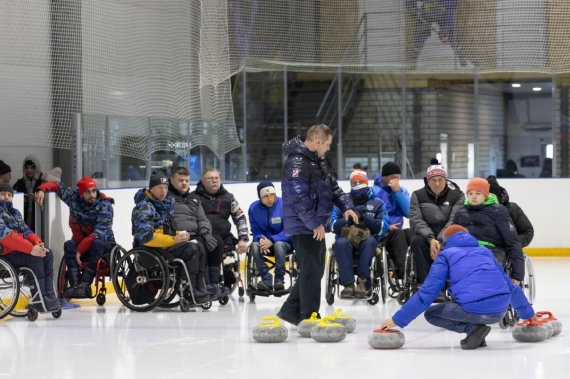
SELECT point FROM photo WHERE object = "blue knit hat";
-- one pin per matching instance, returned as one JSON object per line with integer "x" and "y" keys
{"x": 265, "y": 188}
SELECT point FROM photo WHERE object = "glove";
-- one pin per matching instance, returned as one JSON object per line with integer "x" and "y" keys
{"x": 211, "y": 241}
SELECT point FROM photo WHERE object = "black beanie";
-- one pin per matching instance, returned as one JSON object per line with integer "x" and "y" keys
{"x": 494, "y": 187}
{"x": 157, "y": 178}
{"x": 29, "y": 162}
{"x": 265, "y": 187}
{"x": 5, "y": 187}
{"x": 4, "y": 168}
{"x": 391, "y": 168}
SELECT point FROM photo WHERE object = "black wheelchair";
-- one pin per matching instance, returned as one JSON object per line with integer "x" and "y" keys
{"x": 380, "y": 274}
{"x": 252, "y": 276}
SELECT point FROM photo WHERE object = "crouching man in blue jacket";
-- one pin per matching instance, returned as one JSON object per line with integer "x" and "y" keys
{"x": 480, "y": 289}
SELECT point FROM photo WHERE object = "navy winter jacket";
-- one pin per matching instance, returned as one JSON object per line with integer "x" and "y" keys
{"x": 309, "y": 192}
{"x": 477, "y": 283}
{"x": 268, "y": 222}
{"x": 491, "y": 222}
{"x": 397, "y": 203}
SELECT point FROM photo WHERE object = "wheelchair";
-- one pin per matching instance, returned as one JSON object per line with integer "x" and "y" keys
{"x": 103, "y": 270}
{"x": 410, "y": 280}
{"x": 143, "y": 280}
{"x": 528, "y": 287}
{"x": 379, "y": 274}
{"x": 9, "y": 288}
{"x": 252, "y": 275}
{"x": 16, "y": 298}
{"x": 231, "y": 271}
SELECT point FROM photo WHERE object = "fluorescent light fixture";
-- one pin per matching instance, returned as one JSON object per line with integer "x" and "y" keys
{"x": 516, "y": 85}
{"x": 537, "y": 89}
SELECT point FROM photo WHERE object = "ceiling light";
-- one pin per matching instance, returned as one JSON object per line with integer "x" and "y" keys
{"x": 516, "y": 85}
{"x": 537, "y": 89}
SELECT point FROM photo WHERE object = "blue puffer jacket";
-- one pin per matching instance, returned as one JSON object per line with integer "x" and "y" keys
{"x": 268, "y": 222}
{"x": 397, "y": 203}
{"x": 466, "y": 266}
{"x": 372, "y": 212}
{"x": 491, "y": 222}
{"x": 309, "y": 192}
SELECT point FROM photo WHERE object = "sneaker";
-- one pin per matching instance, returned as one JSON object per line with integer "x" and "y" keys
{"x": 82, "y": 291}
{"x": 360, "y": 291}
{"x": 279, "y": 286}
{"x": 288, "y": 318}
{"x": 262, "y": 286}
{"x": 476, "y": 338}
{"x": 347, "y": 292}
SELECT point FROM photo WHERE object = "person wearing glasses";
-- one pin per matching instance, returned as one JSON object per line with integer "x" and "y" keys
{"x": 219, "y": 205}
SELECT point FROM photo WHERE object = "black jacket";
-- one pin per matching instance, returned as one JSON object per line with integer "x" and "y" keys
{"x": 492, "y": 223}
{"x": 188, "y": 212}
{"x": 430, "y": 214}
{"x": 524, "y": 227}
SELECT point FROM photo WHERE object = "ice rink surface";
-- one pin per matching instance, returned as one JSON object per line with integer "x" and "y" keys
{"x": 113, "y": 342}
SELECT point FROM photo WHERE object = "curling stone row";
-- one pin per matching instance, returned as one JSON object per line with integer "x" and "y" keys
{"x": 306, "y": 326}
{"x": 539, "y": 330}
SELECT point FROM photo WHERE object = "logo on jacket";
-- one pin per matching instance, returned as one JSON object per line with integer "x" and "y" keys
{"x": 276, "y": 220}
{"x": 163, "y": 181}
{"x": 295, "y": 174}
{"x": 194, "y": 200}
{"x": 369, "y": 207}
{"x": 446, "y": 203}
{"x": 511, "y": 227}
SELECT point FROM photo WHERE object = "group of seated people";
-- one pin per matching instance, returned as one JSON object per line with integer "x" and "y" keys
{"x": 487, "y": 214}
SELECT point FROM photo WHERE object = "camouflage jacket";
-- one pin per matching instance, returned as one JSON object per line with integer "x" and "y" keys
{"x": 88, "y": 222}
{"x": 148, "y": 217}
{"x": 14, "y": 233}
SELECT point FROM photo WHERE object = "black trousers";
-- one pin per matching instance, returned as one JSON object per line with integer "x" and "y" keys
{"x": 397, "y": 242}
{"x": 422, "y": 257}
{"x": 305, "y": 296}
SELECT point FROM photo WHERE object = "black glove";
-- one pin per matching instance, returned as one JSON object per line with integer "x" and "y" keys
{"x": 211, "y": 241}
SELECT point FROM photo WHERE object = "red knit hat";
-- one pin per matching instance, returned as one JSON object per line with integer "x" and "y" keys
{"x": 85, "y": 183}
{"x": 452, "y": 229}
{"x": 479, "y": 184}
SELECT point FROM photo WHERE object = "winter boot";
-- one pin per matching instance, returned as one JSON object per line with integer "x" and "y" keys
{"x": 73, "y": 278}
{"x": 199, "y": 297}
{"x": 347, "y": 292}
{"x": 50, "y": 293}
{"x": 51, "y": 305}
{"x": 214, "y": 282}
{"x": 201, "y": 284}
{"x": 360, "y": 291}
{"x": 83, "y": 289}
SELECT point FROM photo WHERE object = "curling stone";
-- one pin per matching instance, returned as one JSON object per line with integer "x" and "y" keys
{"x": 386, "y": 339}
{"x": 548, "y": 326}
{"x": 304, "y": 328}
{"x": 530, "y": 331}
{"x": 270, "y": 332}
{"x": 345, "y": 320}
{"x": 328, "y": 331}
{"x": 556, "y": 324}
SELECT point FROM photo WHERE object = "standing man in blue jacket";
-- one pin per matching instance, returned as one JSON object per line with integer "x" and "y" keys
{"x": 481, "y": 291}
{"x": 266, "y": 220}
{"x": 397, "y": 199}
{"x": 309, "y": 194}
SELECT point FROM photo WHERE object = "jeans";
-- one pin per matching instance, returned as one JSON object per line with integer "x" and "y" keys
{"x": 420, "y": 248}
{"x": 305, "y": 296}
{"x": 451, "y": 316}
{"x": 344, "y": 253}
{"x": 279, "y": 250}
{"x": 96, "y": 251}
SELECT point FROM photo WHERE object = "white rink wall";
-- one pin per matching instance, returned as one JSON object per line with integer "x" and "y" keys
{"x": 543, "y": 200}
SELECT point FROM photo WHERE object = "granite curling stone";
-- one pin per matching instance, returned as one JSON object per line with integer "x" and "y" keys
{"x": 530, "y": 331}
{"x": 304, "y": 328}
{"x": 270, "y": 332}
{"x": 386, "y": 339}
{"x": 556, "y": 324}
{"x": 327, "y": 331}
{"x": 345, "y": 320}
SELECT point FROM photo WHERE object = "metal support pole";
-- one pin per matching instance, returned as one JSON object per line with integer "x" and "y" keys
{"x": 244, "y": 142}
{"x": 285, "y": 110}
{"x": 554, "y": 142}
{"x": 149, "y": 147}
{"x": 339, "y": 163}
{"x": 107, "y": 150}
{"x": 476, "y": 121}
{"x": 76, "y": 148}
{"x": 404, "y": 159}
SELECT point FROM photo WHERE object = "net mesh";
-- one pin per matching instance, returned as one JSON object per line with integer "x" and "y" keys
{"x": 162, "y": 69}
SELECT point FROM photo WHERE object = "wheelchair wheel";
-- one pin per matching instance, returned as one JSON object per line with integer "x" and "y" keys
{"x": 116, "y": 253}
{"x": 374, "y": 300}
{"x": 101, "y": 299}
{"x": 141, "y": 279}
{"x": 56, "y": 314}
{"x": 224, "y": 300}
{"x": 25, "y": 277}
{"x": 208, "y": 305}
{"x": 251, "y": 297}
{"x": 9, "y": 288}
{"x": 62, "y": 282}
{"x": 171, "y": 298}
{"x": 241, "y": 292}
{"x": 402, "y": 297}
{"x": 331, "y": 278}
{"x": 32, "y": 314}
{"x": 528, "y": 284}
{"x": 504, "y": 322}
{"x": 385, "y": 284}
